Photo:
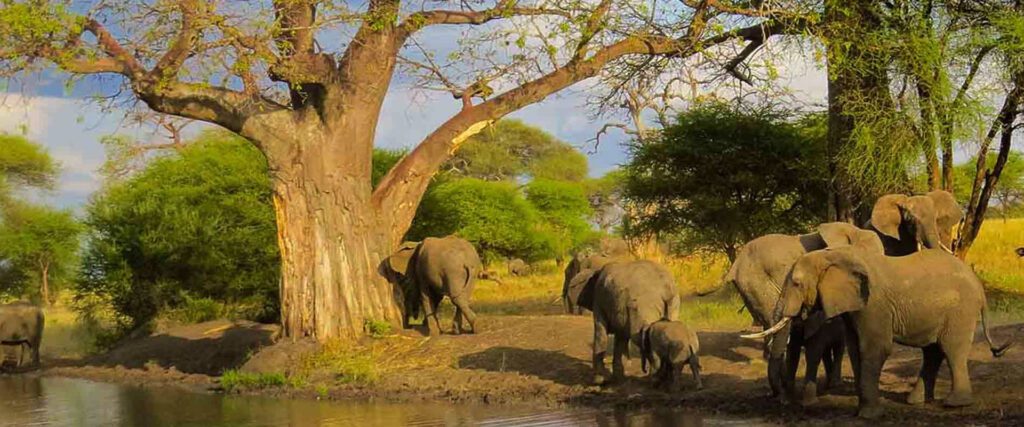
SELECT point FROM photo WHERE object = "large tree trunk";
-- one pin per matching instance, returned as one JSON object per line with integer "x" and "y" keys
{"x": 331, "y": 237}
{"x": 861, "y": 77}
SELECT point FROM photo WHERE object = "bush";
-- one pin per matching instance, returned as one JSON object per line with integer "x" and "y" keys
{"x": 491, "y": 215}
{"x": 233, "y": 380}
{"x": 188, "y": 230}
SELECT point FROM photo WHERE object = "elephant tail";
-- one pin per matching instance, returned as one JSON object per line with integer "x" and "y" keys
{"x": 728, "y": 278}
{"x": 996, "y": 351}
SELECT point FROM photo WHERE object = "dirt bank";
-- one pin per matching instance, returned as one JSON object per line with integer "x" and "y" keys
{"x": 542, "y": 361}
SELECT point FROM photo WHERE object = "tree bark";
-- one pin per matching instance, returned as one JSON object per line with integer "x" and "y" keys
{"x": 44, "y": 289}
{"x": 868, "y": 81}
{"x": 985, "y": 179}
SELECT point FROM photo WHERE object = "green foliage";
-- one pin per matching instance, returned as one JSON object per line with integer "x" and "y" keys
{"x": 383, "y": 160}
{"x": 234, "y": 380}
{"x": 24, "y": 163}
{"x": 492, "y": 215}
{"x": 377, "y": 328}
{"x": 512, "y": 150}
{"x": 196, "y": 225}
{"x": 564, "y": 207}
{"x": 723, "y": 175}
{"x": 1008, "y": 191}
{"x": 38, "y": 243}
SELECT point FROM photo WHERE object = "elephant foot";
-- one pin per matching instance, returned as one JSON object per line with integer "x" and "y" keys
{"x": 870, "y": 412}
{"x": 958, "y": 399}
{"x": 916, "y": 396}
{"x": 834, "y": 383}
{"x": 810, "y": 395}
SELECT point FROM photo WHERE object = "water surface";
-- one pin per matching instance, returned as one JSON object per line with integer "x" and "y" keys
{"x": 29, "y": 400}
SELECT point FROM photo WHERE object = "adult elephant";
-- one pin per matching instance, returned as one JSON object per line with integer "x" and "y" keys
{"x": 904, "y": 222}
{"x": 587, "y": 262}
{"x": 431, "y": 270}
{"x": 625, "y": 297}
{"x": 758, "y": 273}
{"x": 930, "y": 300}
{"x": 21, "y": 324}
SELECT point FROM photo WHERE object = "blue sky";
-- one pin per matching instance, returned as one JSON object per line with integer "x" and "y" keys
{"x": 70, "y": 127}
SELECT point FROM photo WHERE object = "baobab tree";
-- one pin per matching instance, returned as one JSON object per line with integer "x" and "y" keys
{"x": 305, "y": 80}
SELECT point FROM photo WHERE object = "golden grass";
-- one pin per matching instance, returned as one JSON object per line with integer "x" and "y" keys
{"x": 993, "y": 256}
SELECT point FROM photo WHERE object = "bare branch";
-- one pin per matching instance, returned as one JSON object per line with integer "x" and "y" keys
{"x": 504, "y": 9}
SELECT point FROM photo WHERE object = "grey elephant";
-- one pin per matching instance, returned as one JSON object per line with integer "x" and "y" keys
{"x": 518, "y": 267}
{"x": 625, "y": 297}
{"x": 758, "y": 273}
{"x": 930, "y": 300}
{"x": 668, "y": 346}
{"x": 434, "y": 269}
{"x": 21, "y": 324}
{"x": 904, "y": 222}
{"x": 586, "y": 262}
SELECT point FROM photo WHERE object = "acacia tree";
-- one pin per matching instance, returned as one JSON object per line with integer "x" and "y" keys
{"x": 305, "y": 80}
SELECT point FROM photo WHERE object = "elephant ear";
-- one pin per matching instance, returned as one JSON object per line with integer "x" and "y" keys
{"x": 581, "y": 288}
{"x": 947, "y": 213}
{"x": 837, "y": 234}
{"x": 843, "y": 286}
{"x": 868, "y": 241}
{"x": 399, "y": 261}
{"x": 886, "y": 215}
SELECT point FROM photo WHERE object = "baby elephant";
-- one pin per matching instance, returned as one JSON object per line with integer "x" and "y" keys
{"x": 674, "y": 345}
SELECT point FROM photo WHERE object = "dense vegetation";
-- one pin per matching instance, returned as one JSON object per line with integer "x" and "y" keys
{"x": 194, "y": 226}
{"x": 722, "y": 175}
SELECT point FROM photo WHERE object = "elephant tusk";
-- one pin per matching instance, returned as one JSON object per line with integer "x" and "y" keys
{"x": 770, "y": 331}
{"x": 945, "y": 248}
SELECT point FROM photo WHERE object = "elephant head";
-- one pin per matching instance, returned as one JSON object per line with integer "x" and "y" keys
{"x": 910, "y": 220}
{"x": 839, "y": 234}
{"x": 581, "y": 288}
{"x": 396, "y": 269}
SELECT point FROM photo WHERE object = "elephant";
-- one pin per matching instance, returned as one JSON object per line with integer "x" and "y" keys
{"x": 21, "y": 324}
{"x": 1020, "y": 252}
{"x": 431, "y": 270}
{"x": 585, "y": 262}
{"x": 625, "y": 297}
{"x": 518, "y": 267}
{"x": 930, "y": 300}
{"x": 758, "y": 273}
{"x": 673, "y": 345}
{"x": 903, "y": 222}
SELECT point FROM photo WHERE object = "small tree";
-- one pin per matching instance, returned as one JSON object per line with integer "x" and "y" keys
{"x": 24, "y": 164}
{"x": 565, "y": 209}
{"x": 513, "y": 150}
{"x": 42, "y": 242}
{"x": 723, "y": 175}
{"x": 198, "y": 223}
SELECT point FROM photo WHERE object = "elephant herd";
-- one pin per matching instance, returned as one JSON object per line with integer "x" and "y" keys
{"x": 839, "y": 290}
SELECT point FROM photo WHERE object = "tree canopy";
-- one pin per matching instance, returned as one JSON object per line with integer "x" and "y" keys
{"x": 40, "y": 246}
{"x": 24, "y": 164}
{"x": 722, "y": 175}
{"x": 513, "y": 150}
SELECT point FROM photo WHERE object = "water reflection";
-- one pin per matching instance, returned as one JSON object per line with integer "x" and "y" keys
{"x": 45, "y": 401}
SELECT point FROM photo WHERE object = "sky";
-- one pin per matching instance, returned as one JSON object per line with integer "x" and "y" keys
{"x": 71, "y": 127}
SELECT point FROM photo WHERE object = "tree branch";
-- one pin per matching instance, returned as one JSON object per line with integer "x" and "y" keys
{"x": 504, "y": 9}
{"x": 170, "y": 63}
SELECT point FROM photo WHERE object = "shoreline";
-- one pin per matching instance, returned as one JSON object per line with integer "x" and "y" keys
{"x": 543, "y": 362}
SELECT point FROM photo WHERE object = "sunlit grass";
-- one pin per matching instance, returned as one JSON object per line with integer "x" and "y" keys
{"x": 993, "y": 256}
{"x": 64, "y": 335}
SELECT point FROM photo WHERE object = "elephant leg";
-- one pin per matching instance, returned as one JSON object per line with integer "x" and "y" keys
{"x": 600, "y": 346}
{"x": 924, "y": 390}
{"x": 620, "y": 349}
{"x": 834, "y": 366}
{"x": 961, "y": 395}
{"x": 872, "y": 359}
{"x": 813, "y": 356}
{"x": 695, "y": 370}
{"x": 457, "y": 321}
{"x": 676, "y": 371}
{"x": 430, "y": 313}
{"x": 462, "y": 307}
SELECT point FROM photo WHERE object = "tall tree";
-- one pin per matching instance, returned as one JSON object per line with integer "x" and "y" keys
{"x": 284, "y": 75}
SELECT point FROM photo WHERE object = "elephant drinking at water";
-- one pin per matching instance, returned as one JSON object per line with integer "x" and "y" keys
{"x": 21, "y": 324}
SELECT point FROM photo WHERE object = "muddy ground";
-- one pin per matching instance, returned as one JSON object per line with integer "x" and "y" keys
{"x": 541, "y": 361}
